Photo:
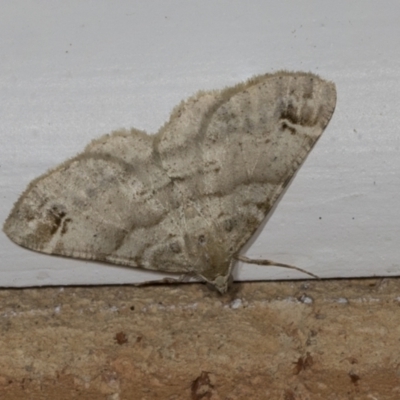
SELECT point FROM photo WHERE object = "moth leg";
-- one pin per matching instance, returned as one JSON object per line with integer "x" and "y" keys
{"x": 273, "y": 263}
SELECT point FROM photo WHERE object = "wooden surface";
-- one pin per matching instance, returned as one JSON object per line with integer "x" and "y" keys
{"x": 325, "y": 340}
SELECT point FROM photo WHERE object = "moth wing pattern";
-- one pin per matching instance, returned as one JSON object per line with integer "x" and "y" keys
{"x": 188, "y": 198}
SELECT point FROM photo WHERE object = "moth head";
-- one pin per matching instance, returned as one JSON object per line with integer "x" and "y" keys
{"x": 220, "y": 283}
{"x": 219, "y": 279}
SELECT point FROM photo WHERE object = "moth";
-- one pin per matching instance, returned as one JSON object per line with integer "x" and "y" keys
{"x": 188, "y": 198}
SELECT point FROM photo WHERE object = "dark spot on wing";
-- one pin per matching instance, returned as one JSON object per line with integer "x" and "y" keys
{"x": 64, "y": 227}
{"x": 55, "y": 216}
{"x": 285, "y": 126}
{"x": 175, "y": 247}
{"x": 306, "y": 116}
{"x": 229, "y": 225}
{"x": 290, "y": 113}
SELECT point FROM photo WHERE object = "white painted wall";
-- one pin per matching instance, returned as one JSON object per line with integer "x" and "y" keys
{"x": 71, "y": 71}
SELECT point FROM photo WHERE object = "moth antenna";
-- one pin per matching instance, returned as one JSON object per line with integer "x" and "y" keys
{"x": 274, "y": 264}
